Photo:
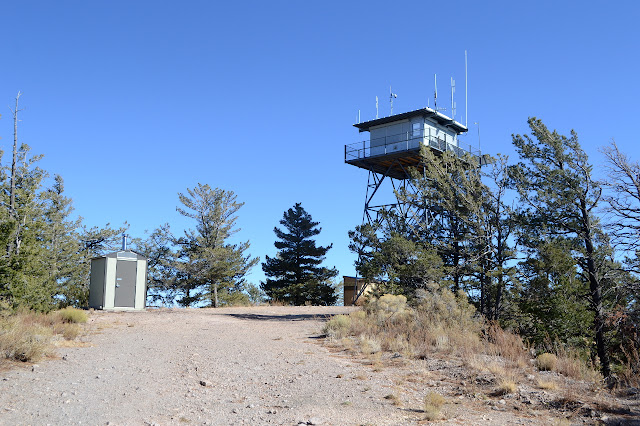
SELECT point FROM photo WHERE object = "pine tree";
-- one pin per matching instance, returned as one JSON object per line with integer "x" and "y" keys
{"x": 559, "y": 197}
{"x": 294, "y": 275}
{"x": 389, "y": 255}
{"x": 23, "y": 274}
{"x": 551, "y": 300}
{"x": 62, "y": 243}
{"x": 159, "y": 249}
{"x": 207, "y": 262}
{"x": 466, "y": 222}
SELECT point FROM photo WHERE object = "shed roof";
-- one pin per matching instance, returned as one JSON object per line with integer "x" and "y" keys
{"x": 123, "y": 254}
{"x": 422, "y": 112}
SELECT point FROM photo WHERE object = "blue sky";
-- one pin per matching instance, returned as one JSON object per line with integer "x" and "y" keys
{"x": 135, "y": 101}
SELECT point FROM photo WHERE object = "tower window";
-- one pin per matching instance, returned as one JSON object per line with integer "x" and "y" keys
{"x": 417, "y": 130}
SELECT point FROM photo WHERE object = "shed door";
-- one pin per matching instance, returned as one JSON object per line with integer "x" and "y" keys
{"x": 125, "y": 295}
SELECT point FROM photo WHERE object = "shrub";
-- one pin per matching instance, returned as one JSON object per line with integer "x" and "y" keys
{"x": 369, "y": 345}
{"x": 448, "y": 308}
{"x": 546, "y": 362}
{"x": 392, "y": 303}
{"x": 68, "y": 330}
{"x": 358, "y": 315}
{"x": 72, "y": 315}
{"x": 24, "y": 342}
{"x": 508, "y": 345}
{"x": 389, "y": 308}
{"x": 506, "y": 386}
{"x": 547, "y": 384}
{"x": 433, "y": 403}
{"x": 338, "y": 326}
{"x": 233, "y": 298}
{"x": 5, "y": 308}
{"x": 27, "y": 336}
{"x": 571, "y": 365}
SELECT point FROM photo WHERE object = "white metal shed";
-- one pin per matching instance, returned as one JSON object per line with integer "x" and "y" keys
{"x": 118, "y": 281}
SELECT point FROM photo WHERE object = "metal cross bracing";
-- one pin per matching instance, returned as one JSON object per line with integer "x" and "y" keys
{"x": 398, "y": 174}
{"x": 376, "y": 179}
{"x": 414, "y": 216}
{"x": 412, "y": 213}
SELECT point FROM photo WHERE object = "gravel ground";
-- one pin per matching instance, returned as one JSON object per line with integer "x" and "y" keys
{"x": 201, "y": 366}
{"x": 260, "y": 365}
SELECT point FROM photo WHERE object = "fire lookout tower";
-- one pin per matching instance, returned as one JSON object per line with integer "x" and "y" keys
{"x": 393, "y": 149}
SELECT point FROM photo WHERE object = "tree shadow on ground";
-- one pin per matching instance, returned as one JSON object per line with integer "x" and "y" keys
{"x": 280, "y": 318}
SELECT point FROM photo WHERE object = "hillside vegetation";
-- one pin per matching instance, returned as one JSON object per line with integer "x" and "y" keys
{"x": 540, "y": 247}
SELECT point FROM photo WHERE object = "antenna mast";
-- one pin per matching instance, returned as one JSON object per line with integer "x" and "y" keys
{"x": 435, "y": 94}
{"x": 466, "y": 91}
{"x": 376, "y": 107}
{"x": 453, "y": 103}
{"x": 391, "y": 96}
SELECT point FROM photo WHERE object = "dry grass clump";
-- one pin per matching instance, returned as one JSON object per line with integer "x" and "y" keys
{"x": 68, "y": 331}
{"x": 496, "y": 369}
{"x": 433, "y": 403}
{"x": 369, "y": 345}
{"x": 571, "y": 365}
{"x": 546, "y": 362}
{"x": 546, "y": 384}
{"x": 397, "y": 343}
{"x": 24, "y": 341}
{"x": 337, "y": 327}
{"x": 29, "y": 336}
{"x": 438, "y": 320}
{"x": 506, "y": 385}
{"x": 630, "y": 368}
{"x": 507, "y": 345}
{"x": 72, "y": 315}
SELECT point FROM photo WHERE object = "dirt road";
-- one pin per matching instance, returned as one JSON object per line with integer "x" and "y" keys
{"x": 264, "y": 365}
{"x": 200, "y": 366}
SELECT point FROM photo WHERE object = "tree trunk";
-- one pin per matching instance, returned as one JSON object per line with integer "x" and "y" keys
{"x": 215, "y": 295}
{"x": 596, "y": 294}
{"x": 12, "y": 196}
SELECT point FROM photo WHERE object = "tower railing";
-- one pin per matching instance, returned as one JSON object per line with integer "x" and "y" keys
{"x": 407, "y": 141}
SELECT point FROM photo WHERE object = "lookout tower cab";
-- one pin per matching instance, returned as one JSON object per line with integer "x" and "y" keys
{"x": 394, "y": 142}
{"x": 393, "y": 148}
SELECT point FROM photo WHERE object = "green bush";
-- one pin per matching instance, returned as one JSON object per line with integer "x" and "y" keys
{"x": 72, "y": 315}
{"x": 233, "y": 298}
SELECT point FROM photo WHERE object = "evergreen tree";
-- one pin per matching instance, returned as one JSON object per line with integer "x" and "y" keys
{"x": 467, "y": 224}
{"x": 295, "y": 275}
{"x": 207, "y": 262}
{"x": 62, "y": 242}
{"x": 159, "y": 249}
{"x": 389, "y": 256}
{"x": 558, "y": 198}
{"x": 23, "y": 274}
{"x": 551, "y": 301}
